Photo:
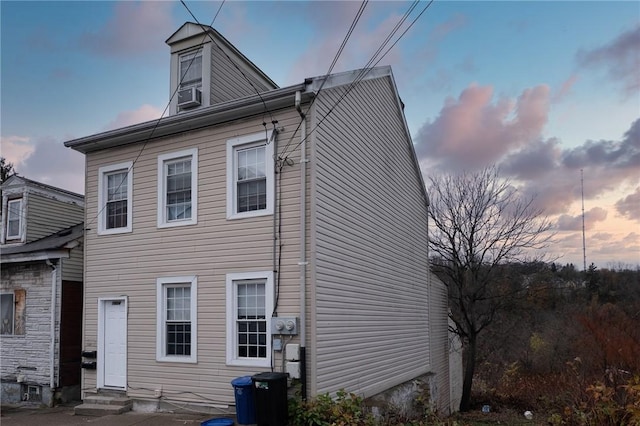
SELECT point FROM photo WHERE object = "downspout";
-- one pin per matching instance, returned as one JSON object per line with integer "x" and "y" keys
{"x": 303, "y": 247}
{"x": 275, "y": 237}
{"x": 52, "y": 349}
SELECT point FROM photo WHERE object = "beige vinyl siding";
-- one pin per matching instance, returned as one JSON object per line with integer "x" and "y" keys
{"x": 129, "y": 263}
{"x": 46, "y": 216}
{"x": 227, "y": 83}
{"x": 439, "y": 326}
{"x": 72, "y": 269}
{"x": 370, "y": 242}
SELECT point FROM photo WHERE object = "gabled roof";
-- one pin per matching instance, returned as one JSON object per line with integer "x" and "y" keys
{"x": 52, "y": 246}
{"x": 205, "y": 33}
{"x": 16, "y": 182}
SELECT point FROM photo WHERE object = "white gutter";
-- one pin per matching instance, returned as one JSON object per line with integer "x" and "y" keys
{"x": 52, "y": 349}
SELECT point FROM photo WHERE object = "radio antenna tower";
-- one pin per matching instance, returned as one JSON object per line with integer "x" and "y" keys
{"x": 584, "y": 245}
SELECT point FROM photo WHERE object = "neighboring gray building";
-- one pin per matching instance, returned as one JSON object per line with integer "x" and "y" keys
{"x": 259, "y": 228}
{"x": 41, "y": 255}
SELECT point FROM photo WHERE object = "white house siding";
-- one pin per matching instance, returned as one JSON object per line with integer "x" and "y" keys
{"x": 46, "y": 216}
{"x": 370, "y": 242}
{"x": 129, "y": 264}
{"x": 29, "y": 354}
{"x": 439, "y": 315}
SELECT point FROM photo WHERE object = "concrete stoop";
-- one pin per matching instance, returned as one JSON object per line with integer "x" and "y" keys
{"x": 102, "y": 405}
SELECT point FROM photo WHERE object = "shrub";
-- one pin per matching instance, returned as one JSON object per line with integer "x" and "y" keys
{"x": 347, "y": 409}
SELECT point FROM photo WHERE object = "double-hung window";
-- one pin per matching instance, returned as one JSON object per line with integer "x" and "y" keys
{"x": 249, "y": 309}
{"x": 14, "y": 219}
{"x": 178, "y": 188}
{"x": 250, "y": 176}
{"x": 177, "y": 327}
{"x": 191, "y": 70}
{"x": 115, "y": 199}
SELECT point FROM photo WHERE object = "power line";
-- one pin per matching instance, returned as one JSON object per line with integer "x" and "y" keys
{"x": 144, "y": 145}
{"x": 369, "y": 66}
{"x": 355, "y": 21}
{"x": 229, "y": 58}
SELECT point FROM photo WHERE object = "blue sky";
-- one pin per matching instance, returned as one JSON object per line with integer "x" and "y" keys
{"x": 543, "y": 89}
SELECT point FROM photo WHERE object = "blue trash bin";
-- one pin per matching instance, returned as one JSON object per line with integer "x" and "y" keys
{"x": 245, "y": 405}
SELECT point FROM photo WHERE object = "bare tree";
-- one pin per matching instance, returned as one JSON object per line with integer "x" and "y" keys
{"x": 480, "y": 222}
{"x": 6, "y": 170}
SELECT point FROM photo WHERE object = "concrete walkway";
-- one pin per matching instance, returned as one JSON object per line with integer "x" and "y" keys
{"x": 30, "y": 415}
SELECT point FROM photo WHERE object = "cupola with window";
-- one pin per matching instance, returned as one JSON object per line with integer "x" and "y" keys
{"x": 207, "y": 70}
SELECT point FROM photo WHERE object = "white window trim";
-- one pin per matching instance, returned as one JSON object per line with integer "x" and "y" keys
{"x": 232, "y": 146}
{"x": 206, "y": 77}
{"x": 162, "y": 193}
{"x": 232, "y": 335}
{"x": 102, "y": 198}
{"x": 160, "y": 321}
{"x": 18, "y": 236}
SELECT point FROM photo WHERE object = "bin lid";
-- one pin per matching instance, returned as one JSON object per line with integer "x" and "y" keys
{"x": 269, "y": 376}
{"x": 241, "y": 381}
{"x": 220, "y": 421}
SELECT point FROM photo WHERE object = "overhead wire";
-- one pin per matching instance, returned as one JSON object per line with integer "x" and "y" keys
{"x": 364, "y": 71}
{"x": 232, "y": 62}
{"x": 355, "y": 21}
{"x": 173, "y": 94}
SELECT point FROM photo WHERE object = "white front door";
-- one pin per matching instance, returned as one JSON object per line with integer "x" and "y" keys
{"x": 112, "y": 343}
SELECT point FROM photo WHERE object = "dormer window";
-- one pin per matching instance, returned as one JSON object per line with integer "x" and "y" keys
{"x": 191, "y": 70}
{"x": 190, "y": 91}
{"x": 14, "y": 219}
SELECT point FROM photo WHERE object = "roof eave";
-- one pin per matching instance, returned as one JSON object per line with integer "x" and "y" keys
{"x": 209, "y": 116}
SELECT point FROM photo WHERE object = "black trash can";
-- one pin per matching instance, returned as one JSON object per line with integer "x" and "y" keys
{"x": 245, "y": 406}
{"x": 270, "y": 391}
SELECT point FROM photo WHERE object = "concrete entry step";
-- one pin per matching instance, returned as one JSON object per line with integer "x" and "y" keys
{"x": 97, "y": 410}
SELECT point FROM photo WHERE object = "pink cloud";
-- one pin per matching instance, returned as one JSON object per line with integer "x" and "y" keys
{"x": 565, "y": 89}
{"x": 473, "y": 130}
{"x": 127, "y": 118}
{"x": 67, "y": 171}
{"x": 135, "y": 28}
{"x": 629, "y": 206}
{"x": 16, "y": 149}
{"x": 574, "y": 223}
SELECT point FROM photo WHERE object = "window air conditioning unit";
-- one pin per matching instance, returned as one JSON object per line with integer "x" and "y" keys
{"x": 190, "y": 97}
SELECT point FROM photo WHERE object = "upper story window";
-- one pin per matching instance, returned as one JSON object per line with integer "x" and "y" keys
{"x": 14, "y": 219}
{"x": 250, "y": 176}
{"x": 178, "y": 188}
{"x": 177, "y": 327}
{"x": 191, "y": 70}
{"x": 115, "y": 198}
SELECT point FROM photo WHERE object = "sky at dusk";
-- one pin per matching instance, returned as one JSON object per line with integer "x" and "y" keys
{"x": 541, "y": 89}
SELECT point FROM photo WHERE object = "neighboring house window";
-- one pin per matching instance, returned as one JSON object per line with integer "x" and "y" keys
{"x": 250, "y": 176}
{"x": 7, "y": 313}
{"x": 249, "y": 309}
{"x": 178, "y": 188}
{"x": 191, "y": 70}
{"x": 12, "y": 307}
{"x": 115, "y": 198}
{"x": 14, "y": 219}
{"x": 177, "y": 328}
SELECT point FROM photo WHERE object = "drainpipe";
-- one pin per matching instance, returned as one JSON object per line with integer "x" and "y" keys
{"x": 303, "y": 247}
{"x": 52, "y": 349}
